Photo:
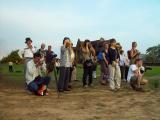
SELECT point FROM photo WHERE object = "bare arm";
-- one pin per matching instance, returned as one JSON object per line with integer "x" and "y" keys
{"x": 93, "y": 52}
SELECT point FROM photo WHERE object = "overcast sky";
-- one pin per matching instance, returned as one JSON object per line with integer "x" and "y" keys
{"x": 49, "y": 21}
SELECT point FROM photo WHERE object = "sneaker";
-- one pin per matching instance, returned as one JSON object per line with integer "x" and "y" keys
{"x": 60, "y": 90}
{"x": 90, "y": 85}
{"x": 41, "y": 90}
{"x": 67, "y": 90}
{"x": 70, "y": 86}
{"x": 40, "y": 93}
{"x": 113, "y": 90}
{"x": 103, "y": 82}
{"x": 46, "y": 93}
{"x": 85, "y": 86}
{"x": 140, "y": 89}
{"x": 118, "y": 89}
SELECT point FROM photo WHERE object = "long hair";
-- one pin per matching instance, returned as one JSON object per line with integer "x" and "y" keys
{"x": 85, "y": 43}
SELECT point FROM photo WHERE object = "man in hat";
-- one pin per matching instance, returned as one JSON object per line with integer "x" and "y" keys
{"x": 27, "y": 53}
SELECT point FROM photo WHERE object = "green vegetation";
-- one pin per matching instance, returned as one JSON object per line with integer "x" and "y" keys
{"x": 153, "y": 54}
{"x": 16, "y": 79}
{"x": 12, "y": 57}
{"x": 154, "y": 77}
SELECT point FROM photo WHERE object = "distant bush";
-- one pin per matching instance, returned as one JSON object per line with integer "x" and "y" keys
{"x": 12, "y": 57}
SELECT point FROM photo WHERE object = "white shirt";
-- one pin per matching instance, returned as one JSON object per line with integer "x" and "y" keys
{"x": 131, "y": 71}
{"x": 10, "y": 63}
{"x": 27, "y": 52}
{"x": 32, "y": 71}
{"x": 124, "y": 61}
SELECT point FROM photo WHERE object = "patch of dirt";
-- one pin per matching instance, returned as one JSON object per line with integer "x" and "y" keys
{"x": 97, "y": 103}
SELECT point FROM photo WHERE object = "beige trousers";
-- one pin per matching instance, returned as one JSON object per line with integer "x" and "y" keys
{"x": 74, "y": 76}
{"x": 114, "y": 77}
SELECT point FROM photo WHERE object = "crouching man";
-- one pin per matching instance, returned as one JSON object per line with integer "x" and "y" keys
{"x": 36, "y": 76}
{"x": 135, "y": 75}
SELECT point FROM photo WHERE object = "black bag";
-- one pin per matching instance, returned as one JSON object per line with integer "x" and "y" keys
{"x": 89, "y": 63}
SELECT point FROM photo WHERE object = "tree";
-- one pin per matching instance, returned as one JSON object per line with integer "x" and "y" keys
{"x": 12, "y": 57}
{"x": 153, "y": 54}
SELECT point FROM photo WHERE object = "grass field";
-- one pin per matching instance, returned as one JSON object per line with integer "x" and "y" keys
{"x": 16, "y": 78}
{"x": 96, "y": 103}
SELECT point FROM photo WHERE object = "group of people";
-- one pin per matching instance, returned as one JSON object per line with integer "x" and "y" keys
{"x": 39, "y": 64}
{"x": 115, "y": 66}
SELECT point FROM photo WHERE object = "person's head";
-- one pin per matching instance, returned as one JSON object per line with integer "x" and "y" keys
{"x": 86, "y": 43}
{"x": 139, "y": 62}
{"x": 28, "y": 41}
{"x": 65, "y": 40}
{"x": 134, "y": 45}
{"x": 49, "y": 48}
{"x": 106, "y": 46}
{"x": 43, "y": 46}
{"x": 36, "y": 57}
{"x": 113, "y": 42}
{"x": 118, "y": 46}
{"x": 121, "y": 52}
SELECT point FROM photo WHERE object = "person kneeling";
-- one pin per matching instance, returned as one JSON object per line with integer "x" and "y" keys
{"x": 36, "y": 82}
{"x": 135, "y": 75}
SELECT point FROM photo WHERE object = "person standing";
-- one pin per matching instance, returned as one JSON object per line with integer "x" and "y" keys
{"x": 114, "y": 69}
{"x": 50, "y": 56}
{"x": 10, "y": 66}
{"x": 65, "y": 64}
{"x": 124, "y": 64}
{"x": 133, "y": 54}
{"x": 27, "y": 53}
{"x": 87, "y": 52}
{"x": 42, "y": 51}
{"x": 103, "y": 60}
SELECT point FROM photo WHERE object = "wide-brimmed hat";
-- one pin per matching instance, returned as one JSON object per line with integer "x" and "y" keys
{"x": 28, "y": 39}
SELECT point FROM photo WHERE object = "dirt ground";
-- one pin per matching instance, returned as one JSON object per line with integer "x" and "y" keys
{"x": 97, "y": 103}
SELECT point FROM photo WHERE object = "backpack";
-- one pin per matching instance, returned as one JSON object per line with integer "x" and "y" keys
{"x": 100, "y": 56}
